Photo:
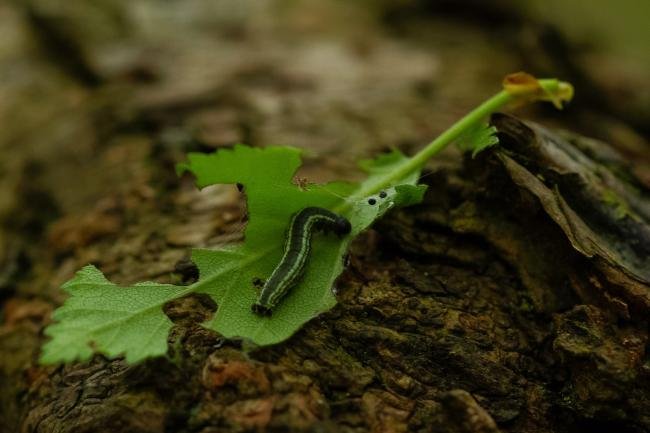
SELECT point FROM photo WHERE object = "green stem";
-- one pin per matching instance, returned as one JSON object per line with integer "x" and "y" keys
{"x": 417, "y": 161}
{"x": 553, "y": 90}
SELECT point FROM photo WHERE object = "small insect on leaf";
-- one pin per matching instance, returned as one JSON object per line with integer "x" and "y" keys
{"x": 297, "y": 248}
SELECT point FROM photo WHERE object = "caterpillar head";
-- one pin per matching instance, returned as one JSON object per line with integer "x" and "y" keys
{"x": 342, "y": 226}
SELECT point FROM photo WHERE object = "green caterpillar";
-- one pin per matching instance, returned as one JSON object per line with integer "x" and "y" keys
{"x": 296, "y": 252}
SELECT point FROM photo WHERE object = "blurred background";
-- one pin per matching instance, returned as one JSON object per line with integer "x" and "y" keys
{"x": 99, "y": 99}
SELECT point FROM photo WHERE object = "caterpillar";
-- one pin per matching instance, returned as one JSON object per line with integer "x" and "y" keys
{"x": 296, "y": 253}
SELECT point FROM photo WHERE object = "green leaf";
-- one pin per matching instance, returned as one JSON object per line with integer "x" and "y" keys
{"x": 227, "y": 275}
{"x": 99, "y": 316}
{"x": 102, "y": 317}
{"x": 477, "y": 138}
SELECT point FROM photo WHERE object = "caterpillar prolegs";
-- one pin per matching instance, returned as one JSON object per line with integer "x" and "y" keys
{"x": 297, "y": 247}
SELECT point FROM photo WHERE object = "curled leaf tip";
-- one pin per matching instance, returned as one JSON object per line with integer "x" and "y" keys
{"x": 562, "y": 93}
{"x": 520, "y": 83}
{"x": 526, "y": 87}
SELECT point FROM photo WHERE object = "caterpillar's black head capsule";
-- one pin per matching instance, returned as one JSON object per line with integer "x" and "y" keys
{"x": 343, "y": 226}
{"x": 261, "y": 310}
